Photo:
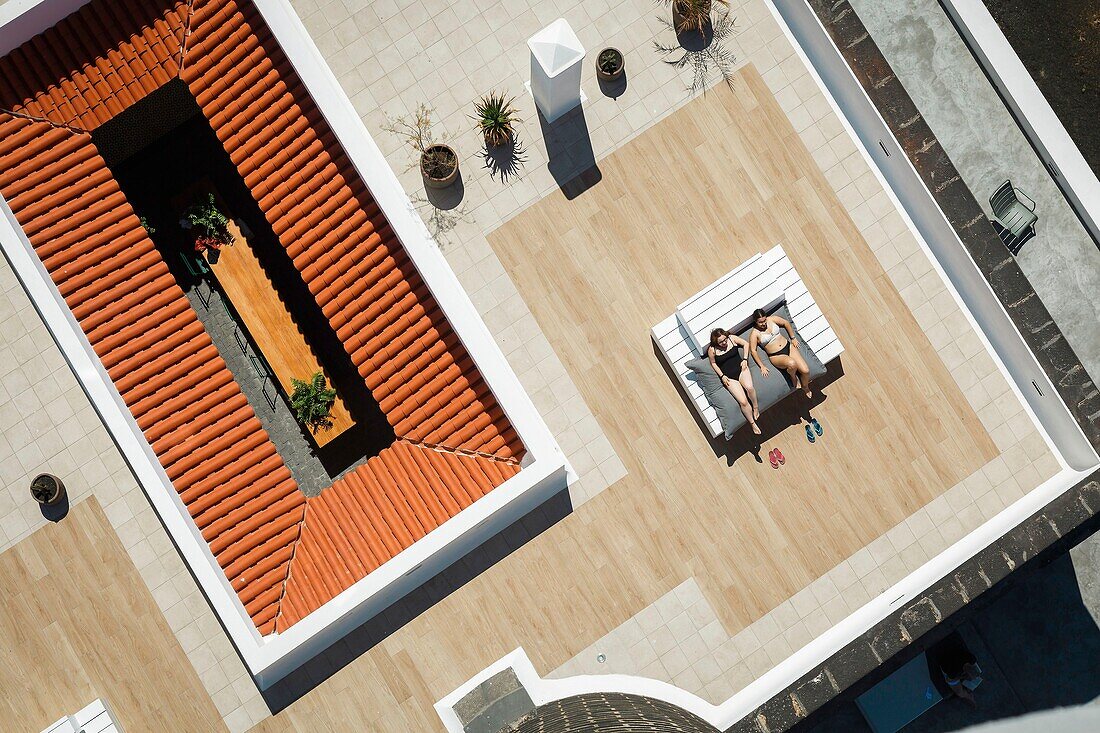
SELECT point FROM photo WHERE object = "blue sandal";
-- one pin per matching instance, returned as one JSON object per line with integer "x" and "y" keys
{"x": 817, "y": 426}
{"x": 810, "y": 434}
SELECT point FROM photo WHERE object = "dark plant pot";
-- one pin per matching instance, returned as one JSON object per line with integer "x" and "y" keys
{"x": 47, "y": 489}
{"x": 213, "y": 255}
{"x": 678, "y": 19}
{"x": 604, "y": 75}
{"x": 439, "y": 181}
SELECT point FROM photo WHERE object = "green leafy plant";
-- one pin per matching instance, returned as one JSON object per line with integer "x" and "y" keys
{"x": 312, "y": 402}
{"x": 210, "y": 224}
{"x": 148, "y": 227}
{"x": 496, "y": 118}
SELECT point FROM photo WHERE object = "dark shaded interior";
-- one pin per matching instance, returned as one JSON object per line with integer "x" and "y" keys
{"x": 156, "y": 150}
{"x": 1059, "y": 44}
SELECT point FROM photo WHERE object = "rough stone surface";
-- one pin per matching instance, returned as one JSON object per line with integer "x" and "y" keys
{"x": 500, "y": 703}
{"x": 493, "y": 691}
{"x": 610, "y": 712}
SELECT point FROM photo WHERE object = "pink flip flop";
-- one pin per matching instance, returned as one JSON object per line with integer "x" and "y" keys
{"x": 780, "y": 457}
{"x": 773, "y": 457}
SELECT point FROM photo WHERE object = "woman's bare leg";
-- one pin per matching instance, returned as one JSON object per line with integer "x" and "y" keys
{"x": 803, "y": 371}
{"x": 787, "y": 364}
{"x": 738, "y": 393}
{"x": 746, "y": 381}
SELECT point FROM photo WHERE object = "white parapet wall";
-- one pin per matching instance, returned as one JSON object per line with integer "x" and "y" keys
{"x": 543, "y": 471}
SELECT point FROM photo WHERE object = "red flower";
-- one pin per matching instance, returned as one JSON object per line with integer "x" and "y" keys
{"x": 203, "y": 243}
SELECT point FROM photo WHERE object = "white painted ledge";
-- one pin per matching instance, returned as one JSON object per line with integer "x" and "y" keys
{"x": 1032, "y": 110}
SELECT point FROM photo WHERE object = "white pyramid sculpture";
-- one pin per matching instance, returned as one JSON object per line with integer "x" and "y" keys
{"x": 556, "y": 56}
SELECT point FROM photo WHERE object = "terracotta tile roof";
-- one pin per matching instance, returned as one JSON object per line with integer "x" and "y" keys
{"x": 164, "y": 365}
{"x": 337, "y": 236}
{"x": 82, "y": 72}
{"x": 283, "y": 558}
{"x": 374, "y": 512}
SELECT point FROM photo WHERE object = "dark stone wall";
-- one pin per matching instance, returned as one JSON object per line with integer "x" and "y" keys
{"x": 612, "y": 713}
{"x": 962, "y": 210}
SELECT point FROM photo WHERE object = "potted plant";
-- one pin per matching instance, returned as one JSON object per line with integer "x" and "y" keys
{"x": 496, "y": 118}
{"x": 610, "y": 64}
{"x": 438, "y": 165}
{"x": 438, "y": 162}
{"x": 211, "y": 227}
{"x": 708, "y": 61}
{"x": 312, "y": 402}
{"x": 47, "y": 489}
{"x": 692, "y": 15}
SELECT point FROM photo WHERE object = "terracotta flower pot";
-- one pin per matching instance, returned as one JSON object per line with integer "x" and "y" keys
{"x": 47, "y": 489}
{"x": 434, "y": 169}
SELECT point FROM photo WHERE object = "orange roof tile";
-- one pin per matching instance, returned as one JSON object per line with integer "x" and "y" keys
{"x": 377, "y": 510}
{"x": 164, "y": 365}
{"x": 283, "y": 555}
{"x": 337, "y": 236}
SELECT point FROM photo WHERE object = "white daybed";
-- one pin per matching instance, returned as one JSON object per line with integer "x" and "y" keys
{"x": 764, "y": 281}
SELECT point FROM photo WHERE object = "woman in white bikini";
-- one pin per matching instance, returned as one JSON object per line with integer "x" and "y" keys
{"x": 781, "y": 348}
{"x": 729, "y": 361}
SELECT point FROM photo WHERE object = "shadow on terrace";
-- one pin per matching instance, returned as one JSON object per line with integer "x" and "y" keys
{"x": 376, "y": 630}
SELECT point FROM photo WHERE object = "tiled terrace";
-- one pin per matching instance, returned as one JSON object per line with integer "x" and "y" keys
{"x": 924, "y": 439}
{"x": 605, "y": 563}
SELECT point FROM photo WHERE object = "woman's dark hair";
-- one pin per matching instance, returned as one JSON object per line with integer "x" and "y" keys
{"x": 758, "y": 314}
{"x": 715, "y": 335}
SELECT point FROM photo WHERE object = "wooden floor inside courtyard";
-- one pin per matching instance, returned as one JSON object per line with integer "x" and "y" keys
{"x": 703, "y": 190}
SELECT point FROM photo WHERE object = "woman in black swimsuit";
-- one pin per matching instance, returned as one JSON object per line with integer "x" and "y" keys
{"x": 729, "y": 358}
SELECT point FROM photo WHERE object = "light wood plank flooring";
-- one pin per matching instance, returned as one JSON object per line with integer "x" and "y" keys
{"x": 717, "y": 181}
{"x": 78, "y": 623}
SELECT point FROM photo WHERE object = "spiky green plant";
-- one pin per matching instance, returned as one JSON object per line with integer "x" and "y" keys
{"x": 496, "y": 118}
{"x": 312, "y": 402}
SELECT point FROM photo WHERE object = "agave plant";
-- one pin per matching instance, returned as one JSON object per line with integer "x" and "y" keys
{"x": 496, "y": 118}
{"x": 312, "y": 402}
